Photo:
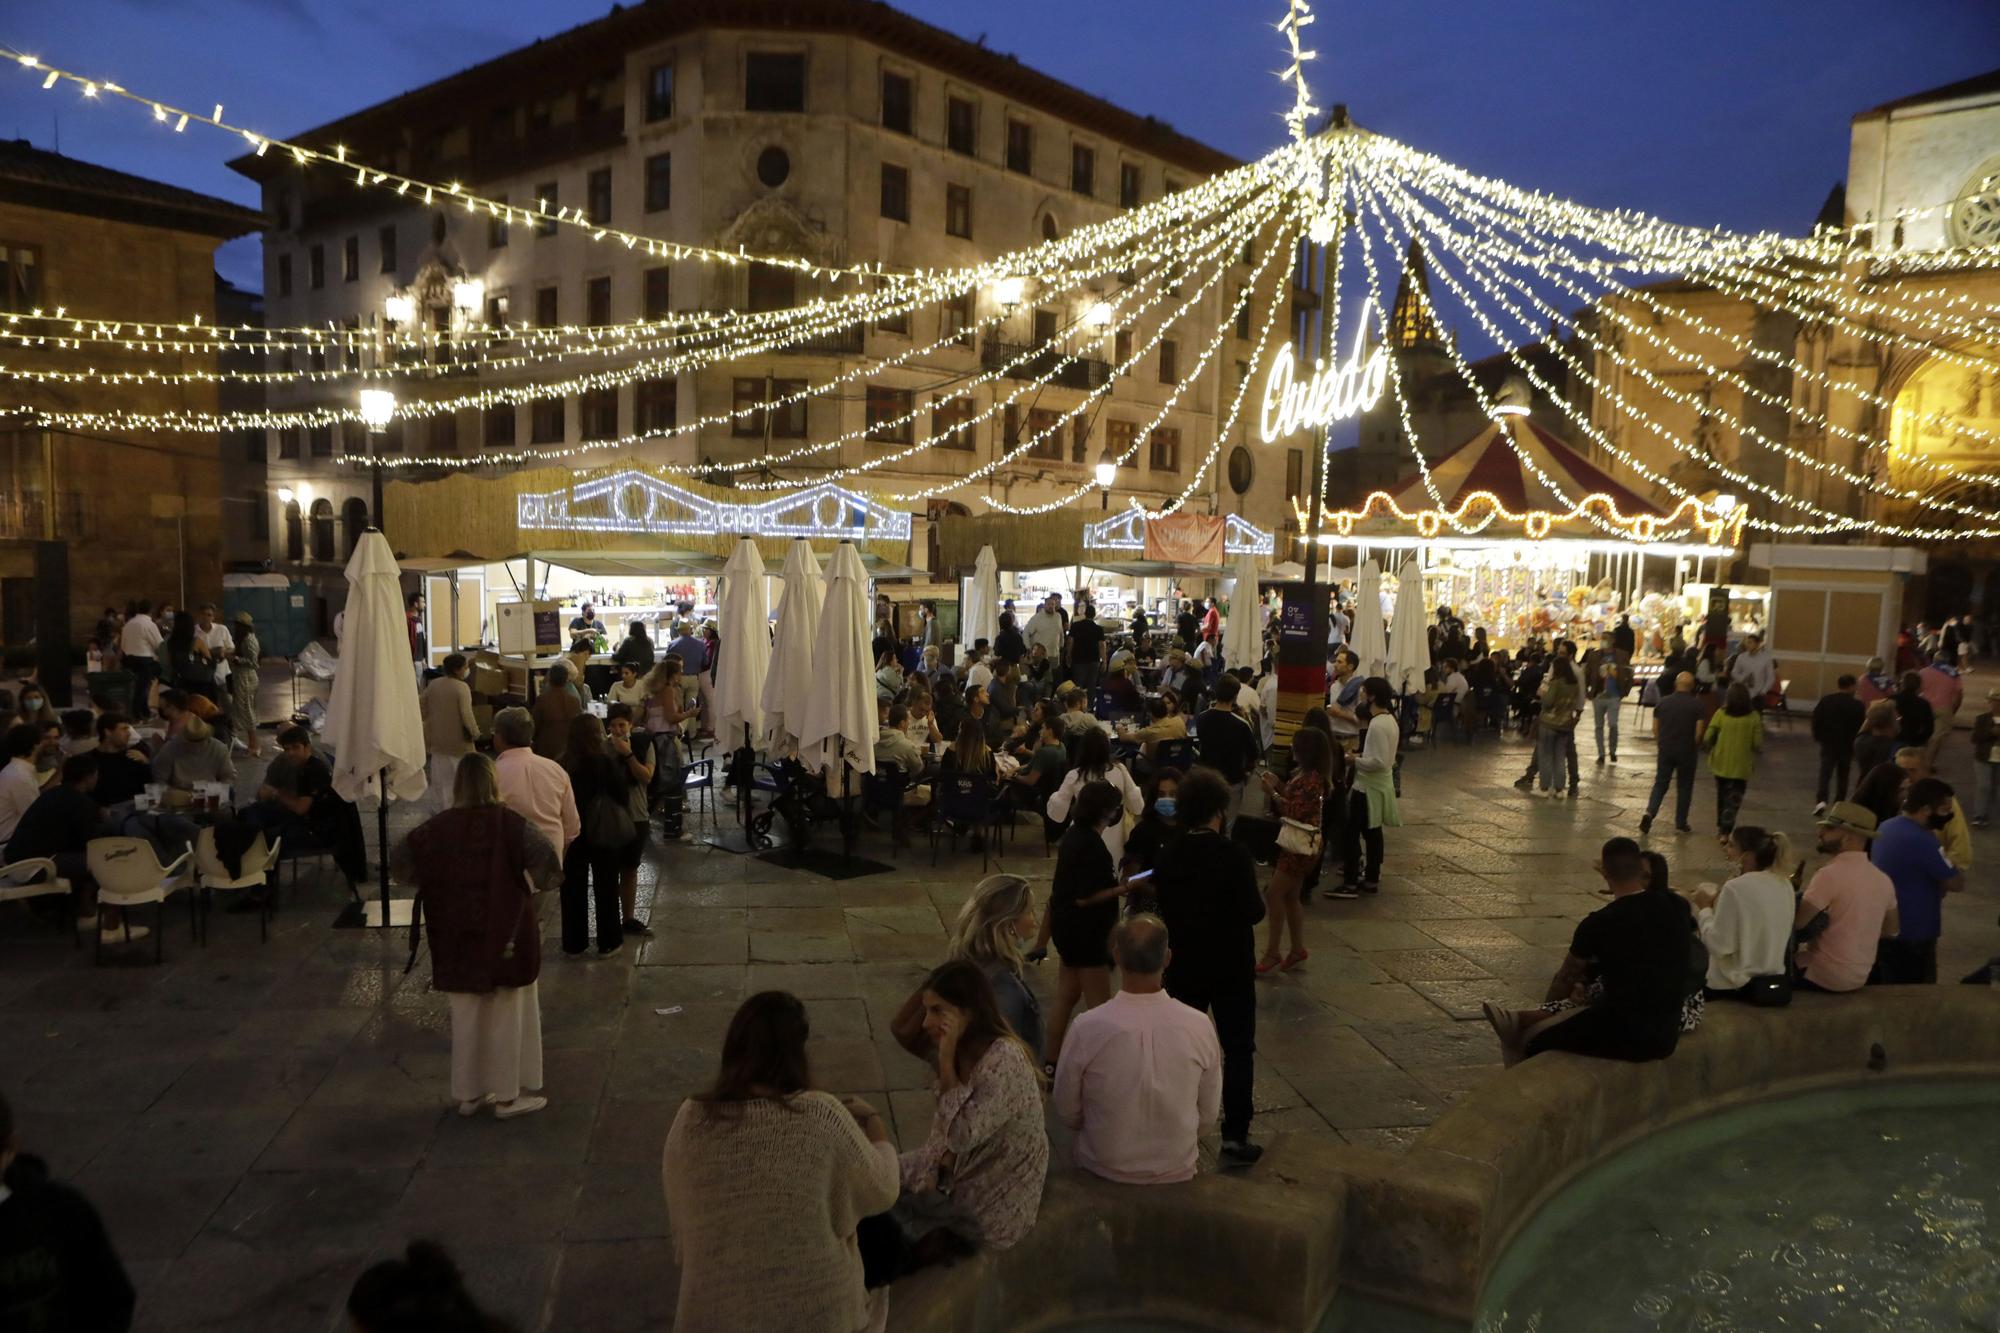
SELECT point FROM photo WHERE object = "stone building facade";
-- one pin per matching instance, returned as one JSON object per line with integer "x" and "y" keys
{"x": 139, "y": 512}
{"x": 836, "y": 133}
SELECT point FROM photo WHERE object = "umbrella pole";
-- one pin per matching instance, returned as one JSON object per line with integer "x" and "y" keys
{"x": 382, "y": 842}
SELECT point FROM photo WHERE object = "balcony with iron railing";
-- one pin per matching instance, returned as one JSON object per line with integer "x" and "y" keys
{"x": 1047, "y": 361}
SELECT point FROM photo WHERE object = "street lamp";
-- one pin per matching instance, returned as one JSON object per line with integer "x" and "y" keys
{"x": 1099, "y": 316}
{"x": 378, "y": 409}
{"x": 468, "y": 295}
{"x": 1008, "y": 291}
{"x": 285, "y": 495}
{"x": 1106, "y": 472}
{"x": 399, "y": 309}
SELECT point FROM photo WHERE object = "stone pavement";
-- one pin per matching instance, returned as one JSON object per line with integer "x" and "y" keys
{"x": 260, "y": 1121}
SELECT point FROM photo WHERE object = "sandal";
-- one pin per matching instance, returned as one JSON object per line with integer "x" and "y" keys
{"x": 1293, "y": 959}
{"x": 1267, "y": 965}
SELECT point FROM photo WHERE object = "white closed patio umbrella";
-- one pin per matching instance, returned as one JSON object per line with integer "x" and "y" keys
{"x": 743, "y": 660}
{"x": 372, "y": 723}
{"x": 745, "y": 652}
{"x": 788, "y": 680}
{"x": 839, "y": 724}
{"x": 1409, "y": 647}
{"x": 1243, "y": 632}
{"x": 1370, "y": 642}
{"x": 981, "y": 619}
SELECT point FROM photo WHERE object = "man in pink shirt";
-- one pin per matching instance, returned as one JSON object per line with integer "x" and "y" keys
{"x": 1944, "y": 690}
{"x": 534, "y": 788}
{"x": 1859, "y": 902}
{"x": 1141, "y": 1074}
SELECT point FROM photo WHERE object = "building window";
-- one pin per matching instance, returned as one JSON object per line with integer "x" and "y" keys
{"x": 1045, "y": 428}
{"x": 260, "y": 516}
{"x": 656, "y": 291}
{"x": 1171, "y": 186}
{"x": 1170, "y": 361}
{"x": 1079, "y": 438}
{"x": 659, "y": 92}
{"x": 284, "y": 275}
{"x": 889, "y": 413}
{"x": 546, "y": 200}
{"x": 546, "y": 310}
{"x": 597, "y": 196}
{"x": 253, "y": 445}
{"x": 385, "y": 239}
{"x": 20, "y": 277}
{"x": 497, "y": 310}
{"x": 353, "y": 439}
{"x": 659, "y": 182}
{"x": 1243, "y": 315}
{"x": 895, "y": 193}
{"x": 499, "y": 426}
{"x": 655, "y": 404}
{"x": 288, "y": 442}
{"x": 955, "y": 318}
{"x": 1166, "y": 449}
{"x": 1083, "y": 169}
{"x": 1119, "y": 439}
{"x": 295, "y": 532}
{"x": 897, "y": 323}
{"x": 1045, "y": 327}
{"x": 496, "y": 225}
{"x": 597, "y": 414}
{"x": 774, "y": 167}
{"x": 319, "y": 439}
{"x": 788, "y": 419}
{"x": 774, "y": 81}
{"x": 951, "y": 423}
{"x": 547, "y": 422}
{"x": 958, "y": 211}
{"x": 772, "y": 287}
{"x": 1121, "y": 349}
{"x": 1128, "y": 184}
{"x": 322, "y": 529}
{"x": 441, "y": 435}
{"x": 597, "y": 301}
{"x": 1010, "y": 426}
{"x": 316, "y": 267}
{"x": 961, "y": 125}
{"x": 897, "y": 95}
{"x": 1020, "y": 146}
{"x": 350, "y": 259}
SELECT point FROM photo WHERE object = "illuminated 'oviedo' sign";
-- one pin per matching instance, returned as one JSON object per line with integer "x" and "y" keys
{"x": 1338, "y": 390}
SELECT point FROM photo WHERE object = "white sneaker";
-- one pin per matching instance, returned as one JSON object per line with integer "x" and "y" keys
{"x": 471, "y": 1108}
{"x": 523, "y": 1105}
{"x": 127, "y": 934}
{"x": 1819, "y": 809}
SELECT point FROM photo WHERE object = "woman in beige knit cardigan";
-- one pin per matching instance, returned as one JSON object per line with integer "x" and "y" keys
{"x": 766, "y": 1181}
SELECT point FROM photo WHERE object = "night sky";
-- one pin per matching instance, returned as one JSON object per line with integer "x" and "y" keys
{"x": 1729, "y": 112}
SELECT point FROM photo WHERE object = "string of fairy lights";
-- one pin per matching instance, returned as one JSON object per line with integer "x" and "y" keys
{"x": 1498, "y": 248}
{"x": 1444, "y": 237}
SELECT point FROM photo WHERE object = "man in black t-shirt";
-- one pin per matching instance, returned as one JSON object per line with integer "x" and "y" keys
{"x": 1629, "y": 969}
{"x": 1086, "y": 647}
{"x": 122, "y": 769}
{"x": 1226, "y": 742}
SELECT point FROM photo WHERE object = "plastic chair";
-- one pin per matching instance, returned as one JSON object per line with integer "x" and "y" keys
{"x": 36, "y": 877}
{"x": 129, "y": 874}
{"x": 211, "y": 874}
{"x": 1174, "y": 754}
{"x": 961, "y": 801}
{"x": 699, "y": 778}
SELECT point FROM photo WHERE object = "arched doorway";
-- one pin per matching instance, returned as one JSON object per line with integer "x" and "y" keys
{"x": 354, "y": 521}
{"x": 295, "y": 532}
{"x": 322, "y": 529}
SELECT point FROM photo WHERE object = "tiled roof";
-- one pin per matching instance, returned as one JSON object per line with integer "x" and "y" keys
{"x": 1988, "y": 82}
{"x": 38, "y": 177}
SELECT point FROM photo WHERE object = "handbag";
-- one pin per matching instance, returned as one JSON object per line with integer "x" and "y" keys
{"x": 1298, "y": 837}
{"x": 608, "y": 824}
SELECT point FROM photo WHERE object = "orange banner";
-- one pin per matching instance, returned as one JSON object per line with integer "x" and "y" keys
{"x": 1185, "y": 539}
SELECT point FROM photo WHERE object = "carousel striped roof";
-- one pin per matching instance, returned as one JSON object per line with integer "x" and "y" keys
{"x": 1515, "y": 461}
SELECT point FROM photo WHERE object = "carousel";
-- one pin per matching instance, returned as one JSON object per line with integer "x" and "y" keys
{"x": 1518, "y": 531}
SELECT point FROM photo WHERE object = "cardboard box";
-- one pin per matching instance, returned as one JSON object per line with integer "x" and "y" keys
{"x": 487, "y": 676}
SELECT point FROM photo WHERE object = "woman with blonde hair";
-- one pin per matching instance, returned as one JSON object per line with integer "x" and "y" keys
{"x": 1747, "y": 923}
{"x": 970, "y": 753}
{"x": 666, "y": 713}
{"x": 477, "y": 867}
{"x": 989, "y": 933}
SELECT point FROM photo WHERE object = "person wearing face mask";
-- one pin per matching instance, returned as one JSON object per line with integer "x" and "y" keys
{"x": 1157, "y": 827}
{"x": 1856, "y": 900}
{"x": 1908, "y": 851}
{"x": 34, "y": 704}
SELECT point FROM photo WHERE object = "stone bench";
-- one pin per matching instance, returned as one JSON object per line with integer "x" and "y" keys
{"x": 1259, "y": 1251}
